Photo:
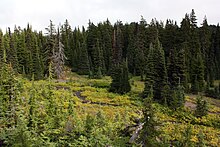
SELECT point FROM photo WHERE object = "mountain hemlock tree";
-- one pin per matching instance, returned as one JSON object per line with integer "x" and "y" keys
{"x": 150, "y": 71}
{"x": 149, "y": 133}
{"x": 179, "y": 98}
{"x": 201, "y": 107}
{"x": 207, "y": 53}
{"x": 197, "y": 74}
{"x": 120, "y": 81}
{"x": 83, "y": 67}
{"x": 9, "y": 91}
{"x": 156, "y": 73}
{"x": 66, "y": 33}
{"x": 50, "y": 46}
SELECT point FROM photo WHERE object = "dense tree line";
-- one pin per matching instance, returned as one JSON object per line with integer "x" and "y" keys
{"x": 165, "y": 55}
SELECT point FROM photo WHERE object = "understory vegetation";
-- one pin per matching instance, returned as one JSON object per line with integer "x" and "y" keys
{"x": 78, "y": 111}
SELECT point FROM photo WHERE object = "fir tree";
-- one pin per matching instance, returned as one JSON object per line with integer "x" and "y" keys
{"x": 207, "y": 54}
{"x": 201, "y": 107}
{"x": 9, "y": 91}
{"x": 120, "y": 81}
{"x": 106, "y": 31}
{"x": 197, "y": 74}
{"x": 66, "y": 33}
{"x": 50, "y": 46}
{"x": 150, "y": 71}
{"x": 84, "y": 60}
{"x": 149, "y": 131}
{"x": 156, "y": 73}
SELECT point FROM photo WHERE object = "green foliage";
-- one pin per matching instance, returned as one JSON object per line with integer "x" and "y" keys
{"x": 48, "y": 113}
{"x": 149, "y": 131}
{"x": 187, "y": 134}
{"x": 167, "y": 95}
{"x": 120, "y": 80}
{"x": 212, "y": 91}
{"x": 156, "y": 74}
{"x": 201, "y": 142}
{"x": 201, "y": 107}
{"x": 83, "y": 68}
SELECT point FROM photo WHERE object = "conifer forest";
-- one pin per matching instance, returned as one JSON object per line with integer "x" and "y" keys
{"x": 149, "y": 84}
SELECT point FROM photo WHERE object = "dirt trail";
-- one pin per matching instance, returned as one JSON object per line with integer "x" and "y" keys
{"x": 78, "y": 94}
{"x": 192, "y": 104}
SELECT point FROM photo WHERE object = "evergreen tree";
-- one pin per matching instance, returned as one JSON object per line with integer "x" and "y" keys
{"x": 30, "y": 45}
{"x": 106, "y": 31}
{"x": 201, "y": 107}
{"x": 120, "y": 81}
{"x": 180, "y": 95}
{"x": 205, "y": 39}
{"x": 149, "y": 131}
{"x": 13, "y": 50}
{"x": 84, "y": 59}
{"x": 66, "y": 33}
{"x": 125, "y": 85}
{"x": 150, "y": 72}
{"x": 97, "y": 60}
{"x": 50, "y": 46}
{"x": 197, "y": 74}
{"x": 95, "y": 51}
{"x": 167, "y": 95}
{"x": 9, "y": 92}
{"x": 37, "y": 60}
{"x": 170, "y": 37}
{"x": 21, "y": 52}
{"x": 217, "y": 52}
{"x": 185, "y": 46}
{"x": 139, "y": 50}
{"x": 156, "y": 73}
{"x": 172, "y": 70}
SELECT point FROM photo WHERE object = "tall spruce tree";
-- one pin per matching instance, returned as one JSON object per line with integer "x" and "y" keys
{"x": 9, "y": 91}
{"x": 150, "y": 72}
{"x": 156, "y": 73}
{"x": 197, "y": 65}
{"x": 149, "y": 131}
{"x": 106, "y": 31}
{"x": 201, "y": 107}
{"x": 197, "y": 79}
{"x": 95, "y": 51}
{"x": 66, "y": 33}
{"x": 83, "y": 57}
{"x": 50, "y": 46}
{"x": 207, "y": 54}
{"x": 120, "y": 81}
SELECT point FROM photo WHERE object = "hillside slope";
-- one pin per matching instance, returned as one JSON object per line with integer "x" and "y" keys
{"x": 77, "y": 111}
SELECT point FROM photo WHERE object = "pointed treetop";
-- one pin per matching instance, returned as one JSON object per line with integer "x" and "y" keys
{"x": 193, "y": 19}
